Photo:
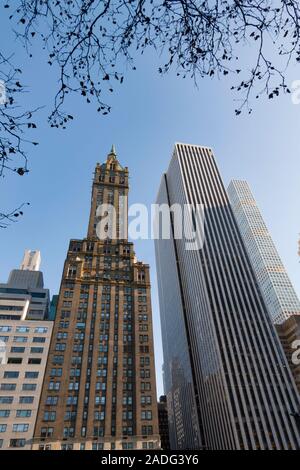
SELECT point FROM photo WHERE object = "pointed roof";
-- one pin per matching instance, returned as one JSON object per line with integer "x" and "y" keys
{"x": 113, "y": 152}
{"x": 112, "y": 158}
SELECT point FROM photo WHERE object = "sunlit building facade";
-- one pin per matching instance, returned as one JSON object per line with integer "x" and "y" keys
{"x": 100, "y": 390}
{"x": 274, "y": 282}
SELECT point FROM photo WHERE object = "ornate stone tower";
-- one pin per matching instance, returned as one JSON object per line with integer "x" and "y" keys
{"x": 99, "y": 390}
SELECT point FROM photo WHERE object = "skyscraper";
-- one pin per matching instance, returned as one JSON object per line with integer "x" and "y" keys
{"x": 31, "y": 260}
{"x": 222, "y": 358}
{"x": 276, "y": 287}
{"x": 24, "y": 297}
{"x": 99, "y": 390}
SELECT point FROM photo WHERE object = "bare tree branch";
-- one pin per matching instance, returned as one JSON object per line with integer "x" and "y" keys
{"x": 88, "y": 39}
{"x": 93, "y": 41}
{"x": 14, "y": 122}
{"x": 11, "y": 217}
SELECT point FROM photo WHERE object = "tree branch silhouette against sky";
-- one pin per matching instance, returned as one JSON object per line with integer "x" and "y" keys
{"x": 93, "y": 43}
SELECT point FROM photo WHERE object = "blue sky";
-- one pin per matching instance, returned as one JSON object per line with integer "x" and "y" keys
{"x": 149, "y": 114}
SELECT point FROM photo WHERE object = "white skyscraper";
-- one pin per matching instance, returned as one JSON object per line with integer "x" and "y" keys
{"x": 276, "y": 287}
{"x": 31, "y": 260}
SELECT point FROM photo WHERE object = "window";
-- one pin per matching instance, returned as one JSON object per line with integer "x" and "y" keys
{"x": 98, "y": 431}
{"x": 36, "y": 350}
{"x": 6, "y": 400}
{"x": 145, "y": 373}
{"x": 26, "y": 399}
{"x": 23, "y": 413}
{"x": 70, "y": 416}
{"x": 31, "y": 387}
{"x": 47, "y": 432}
{"x": 145, "y": 386}
{"x": 17, "y": 443}
{"x": 68, "y": 432}
{"x": 71, "y": 400}
{"x": 14, "y": 360}
{"x": 3, "y": 427}
{"x": 11, "y": 374}
{"x": 99, "y": 415}
{"x": 4, "y": 413}
{"x": 5, "y": 329}
{"x": 145, "y": 400}
{"x": 17, "y": 349}
{"x": 39, "y": 339}
{"x": 66, "y": 446}
{"x": 58, "y": 359}
{"x": 97, "y": 446}
{"x": 22, "y": 329}
{"x": 127, "y": 430}
{"x": 20, "y": 339}
{"x": 20, "y": 427}
{"x": 41, "y": 329}
{"x": 148, "y": 445}
{"x": 54, "y": 385}
{"x": 4, "y": 386}
{"x": 49, "y": 415}
{"x": 31, "y": 375}
{"x": 146, "y": 415}
{"x": 99, "y": 400}
{"x": 127, "y": 445}
{"x": 56, "y": 372}
{"x": 147, "y": 430}
{"x": 51, "y": 400}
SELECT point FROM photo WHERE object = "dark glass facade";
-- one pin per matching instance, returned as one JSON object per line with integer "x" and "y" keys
{"x": 214, "y": 318}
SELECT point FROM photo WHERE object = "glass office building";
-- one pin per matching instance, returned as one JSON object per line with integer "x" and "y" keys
{"x": 226, "y": 377}
{"x": 274, "y": 282}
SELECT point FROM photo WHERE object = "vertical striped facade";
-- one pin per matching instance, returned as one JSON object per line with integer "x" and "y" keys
{"x": 215, "y": 325}
{"x": 274, "y": 282}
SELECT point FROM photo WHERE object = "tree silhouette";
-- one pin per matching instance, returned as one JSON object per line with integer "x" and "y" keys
{"x": 93, "y": 42}
{"x": 13, "y": 124}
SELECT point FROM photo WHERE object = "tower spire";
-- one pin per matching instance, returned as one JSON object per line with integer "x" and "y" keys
{"x": 113, "y": 151}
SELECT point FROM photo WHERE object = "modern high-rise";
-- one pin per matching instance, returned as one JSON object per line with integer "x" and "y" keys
{"x": 24, "y": 297}
{"x": 100, "y": 390}
{"x": 227, "y": 380}
{"x": 24, "y": 344}
{"x": 276, "y": 287}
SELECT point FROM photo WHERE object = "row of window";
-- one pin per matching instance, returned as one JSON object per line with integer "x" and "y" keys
{"x": 19, "y": 413}
{"x": 18, "y": 350}
{"x": 12, "y": 387}
{"x": 19, "y": 360}
{"x": 23, "y": 329}
{"x": 15, "y": 427}
{"x": 95, "y": 445}
{"x": 14, "y": 443}
{"x": 23, "y": 339}
{"x": 8, "y": 400}
{"x": 13, "y": 374}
